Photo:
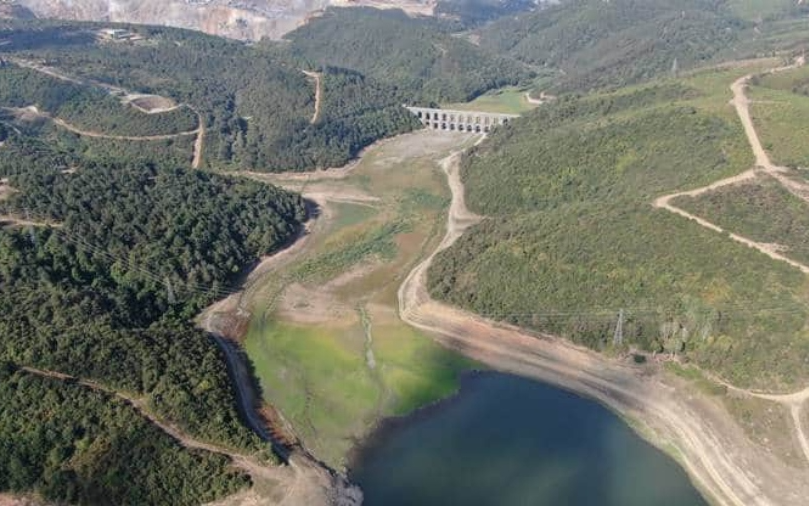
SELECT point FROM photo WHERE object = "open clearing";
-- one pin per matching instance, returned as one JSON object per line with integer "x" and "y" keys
{"x": 5, "y": 190}
{"x": 511, "y": 100}
{"x": 329, "y": 351}
{"x": 150, "y": 104}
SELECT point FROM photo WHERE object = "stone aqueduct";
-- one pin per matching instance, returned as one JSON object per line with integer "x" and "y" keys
{"x": 460, "y": 121}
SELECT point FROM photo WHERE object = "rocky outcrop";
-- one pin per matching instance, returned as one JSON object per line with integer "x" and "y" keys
{"x": 238, "y": 19}
{"x": 248, "y": 20}
{"x": 14, "y": 11}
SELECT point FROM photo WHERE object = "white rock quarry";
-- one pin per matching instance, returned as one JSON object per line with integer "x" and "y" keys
{"x": 238, "y": 19}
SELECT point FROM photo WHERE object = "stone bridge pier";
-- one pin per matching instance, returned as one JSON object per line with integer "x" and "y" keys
{"x": 460, "y": 121}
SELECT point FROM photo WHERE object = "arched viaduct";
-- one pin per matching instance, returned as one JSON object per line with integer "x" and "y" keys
{"x": 460, "y": 121}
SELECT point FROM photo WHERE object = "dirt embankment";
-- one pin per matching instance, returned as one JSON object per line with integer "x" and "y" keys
{"x": 710, "y": 445}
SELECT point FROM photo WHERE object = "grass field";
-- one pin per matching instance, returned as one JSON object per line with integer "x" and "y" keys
{"x": 510, "y": 100}
{"x": 326, "y": 343}
{"x": 756, "y": 10}
{"x": 780, "y": 115}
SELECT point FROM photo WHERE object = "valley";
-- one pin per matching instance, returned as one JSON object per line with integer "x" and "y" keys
{"x": 231, "y": 273}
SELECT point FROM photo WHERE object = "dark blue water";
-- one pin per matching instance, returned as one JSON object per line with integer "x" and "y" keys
{"x": 507, "y": 441}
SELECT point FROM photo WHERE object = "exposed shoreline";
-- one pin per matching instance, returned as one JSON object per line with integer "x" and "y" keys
{"x": 693, "y": 428}
{"x": 690, "y": 426}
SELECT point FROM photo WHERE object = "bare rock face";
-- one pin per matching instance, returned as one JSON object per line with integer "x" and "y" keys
{"x": 14, "y": 11}
{"x": 238, "y": 19}
{"x": 245, "y": 19}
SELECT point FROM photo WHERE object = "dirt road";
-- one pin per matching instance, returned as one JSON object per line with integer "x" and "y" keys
{"x": 199, "y": 142}
{"x": 798, "y": 401}
{"x": 300, "y": 482}
{"x": 318, "y": 94}
{"x": 710, "y": 445}
{"x": 763, "y": 166}
{"x": 128, "y": 96}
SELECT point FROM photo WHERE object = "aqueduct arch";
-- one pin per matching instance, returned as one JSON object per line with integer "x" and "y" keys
{"x": 459, "y": 121}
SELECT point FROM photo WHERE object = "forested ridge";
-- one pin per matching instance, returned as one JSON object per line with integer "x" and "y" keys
{"x": 572, "y": 239}
{"x": 419, "y": 59}
{"x": 594, "y": 44}
{"x": 107, "y": 294}
{"x": 82, "y": 447}
{"x": 87, "y": 107}
{"x": 256, "y": 104}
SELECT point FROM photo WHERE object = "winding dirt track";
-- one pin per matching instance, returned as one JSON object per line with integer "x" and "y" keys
{"x": 242, "y": 461}
{"x": 763, "y": 165}
{"x": 100, "y": 135}
{"x": 795, "y": 402}
{"x": 199, "y": 132}
{"x": 318, "y": 94}
{"x": 301, "y": 482}
{"x": 710, "y": 445}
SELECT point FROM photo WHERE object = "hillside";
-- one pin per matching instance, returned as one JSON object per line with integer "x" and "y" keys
{"x": 572, "y": 239}
{"x": 595, "y": 44}
{"x": 417, "y": 57}
{"x": 101, "y": 463}
{"x": 102, "y": 265}
{"x": 256, "y": 108}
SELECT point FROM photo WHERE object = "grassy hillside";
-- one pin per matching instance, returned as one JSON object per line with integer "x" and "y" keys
{"x": 416, "y": 57}
{"x": 572, "y": 236}
{"x": 257, "y": 108}
{"x": 780, "y": 107}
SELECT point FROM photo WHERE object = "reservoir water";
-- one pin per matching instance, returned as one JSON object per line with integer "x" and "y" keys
{"x": 508, "y": 441}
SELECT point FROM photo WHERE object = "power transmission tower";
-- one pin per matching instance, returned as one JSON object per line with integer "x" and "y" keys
{"x": 618, "y": 337}
{"x": 170, "y": 291}
{"x": 30, "y": 228}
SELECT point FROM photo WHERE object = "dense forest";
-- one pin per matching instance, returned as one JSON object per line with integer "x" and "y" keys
{"x": 81, "y": 447}
{"x": 87, "y": 107}
{"x": 48, "y": 145}
{"x": 256, "y": 105}
{"x": 572, "y": 239}
{"x": 615, "y": 43}
{"x": 416, "y": 57}
{"x": 106, "y": 293}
